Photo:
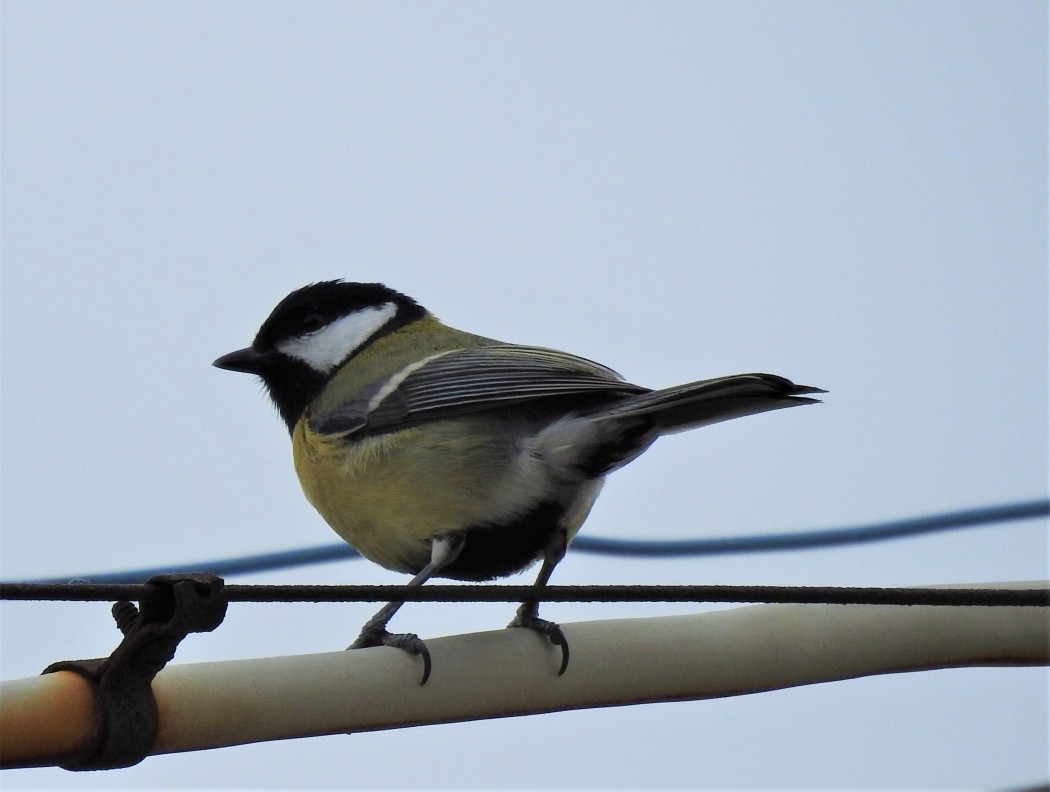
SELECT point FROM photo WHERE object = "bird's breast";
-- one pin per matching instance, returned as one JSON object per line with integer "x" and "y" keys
{"x": 387, "y": 495}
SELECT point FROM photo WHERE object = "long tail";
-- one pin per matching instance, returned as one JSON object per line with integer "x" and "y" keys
{"x": 710, "y": 401}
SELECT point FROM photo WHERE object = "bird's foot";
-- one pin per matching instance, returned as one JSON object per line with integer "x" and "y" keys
{"x": 409, "y": 642}
{"x": 550, "y": 630}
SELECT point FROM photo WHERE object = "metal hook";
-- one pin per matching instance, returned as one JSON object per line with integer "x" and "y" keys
{"x": 171, "y": 607}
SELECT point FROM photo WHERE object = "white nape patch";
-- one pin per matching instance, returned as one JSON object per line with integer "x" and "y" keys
{"x": 326, "y": 348}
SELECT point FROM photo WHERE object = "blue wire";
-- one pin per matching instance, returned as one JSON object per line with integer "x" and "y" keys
{"x": 676, "y": 548}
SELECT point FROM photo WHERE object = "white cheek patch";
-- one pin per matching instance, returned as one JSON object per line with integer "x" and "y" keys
{"x": 335, "y": 342}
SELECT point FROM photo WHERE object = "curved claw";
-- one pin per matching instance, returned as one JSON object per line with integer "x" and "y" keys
{"x": 409, "y": 642}
{"x": 548, "y": 629}
{"x": 557, "y": 637}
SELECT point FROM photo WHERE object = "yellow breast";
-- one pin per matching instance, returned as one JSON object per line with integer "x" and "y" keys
{"x": 387, "y": 495}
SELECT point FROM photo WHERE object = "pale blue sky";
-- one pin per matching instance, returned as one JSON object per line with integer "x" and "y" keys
{"x": 849, "y": 194}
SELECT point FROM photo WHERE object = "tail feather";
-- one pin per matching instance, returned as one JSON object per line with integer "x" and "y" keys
{"x": 711, "y": 401}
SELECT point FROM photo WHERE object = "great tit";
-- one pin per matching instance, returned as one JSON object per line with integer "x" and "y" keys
{"x": 441, "y": 453}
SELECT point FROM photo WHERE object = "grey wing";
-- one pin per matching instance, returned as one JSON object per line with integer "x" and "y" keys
{"x": 465, "y": 381}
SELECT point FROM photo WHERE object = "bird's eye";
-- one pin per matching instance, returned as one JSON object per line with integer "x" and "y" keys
{"x": 312, "y": 322}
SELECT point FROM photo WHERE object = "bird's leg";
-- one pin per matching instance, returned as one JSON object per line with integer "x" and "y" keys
{"x": 527, "y": 615}
{"x": 444, "y": 549}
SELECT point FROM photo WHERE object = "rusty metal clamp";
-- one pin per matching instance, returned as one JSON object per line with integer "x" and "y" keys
{"x": 172, "y": 606}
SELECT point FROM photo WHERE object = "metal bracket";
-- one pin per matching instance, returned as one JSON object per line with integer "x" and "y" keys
{"x": 171, "y": 607}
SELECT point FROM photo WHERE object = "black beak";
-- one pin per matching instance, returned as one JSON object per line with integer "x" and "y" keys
{"x": 246, "y": 360}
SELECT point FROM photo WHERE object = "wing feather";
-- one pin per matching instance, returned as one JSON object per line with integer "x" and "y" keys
{"x": 466, "y": 381}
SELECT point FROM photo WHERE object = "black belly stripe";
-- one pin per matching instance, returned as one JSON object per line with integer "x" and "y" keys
{"x": 497, "y": 550}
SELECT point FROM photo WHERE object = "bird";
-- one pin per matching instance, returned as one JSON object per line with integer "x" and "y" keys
{"x": 440, "y": 453}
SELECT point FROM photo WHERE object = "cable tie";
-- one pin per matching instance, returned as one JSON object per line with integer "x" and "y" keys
{"x": 171, "y": 606}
